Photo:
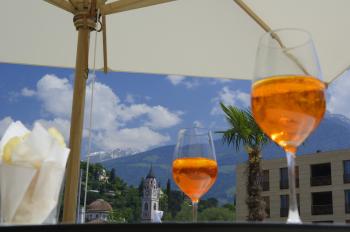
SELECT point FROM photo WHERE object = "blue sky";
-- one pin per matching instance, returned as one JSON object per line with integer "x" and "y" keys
{"x": 135, "y": 112}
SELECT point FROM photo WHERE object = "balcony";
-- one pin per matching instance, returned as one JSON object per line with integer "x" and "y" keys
{"x": 284, "y": 212}
{"x": 322, "y": 209}
{"x": 346, "y": 178}
{"x": 320, "y": 180}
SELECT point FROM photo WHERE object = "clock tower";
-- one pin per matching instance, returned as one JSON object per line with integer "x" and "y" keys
{"x": 150, "y": 197}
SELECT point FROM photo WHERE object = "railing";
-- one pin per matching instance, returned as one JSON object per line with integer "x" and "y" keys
{"x": 322, "y": 209}
{"x": 284, "y": 212}
{"x": 321, "y": 180}
{"x": 265, "y": 185}
{"x": 346, "y": 178}
{"x": 284, "y": 184}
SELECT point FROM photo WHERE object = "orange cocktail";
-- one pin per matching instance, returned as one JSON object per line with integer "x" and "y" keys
{"x": 194, "y": 175}
{"x": 288, "y": 108}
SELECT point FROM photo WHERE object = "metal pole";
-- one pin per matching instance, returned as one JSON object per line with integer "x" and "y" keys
{"x": 76, "y": 129}
{"x": 86, "y": 183}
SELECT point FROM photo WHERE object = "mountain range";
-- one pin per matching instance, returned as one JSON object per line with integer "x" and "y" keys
{"x": 332, "y": 134}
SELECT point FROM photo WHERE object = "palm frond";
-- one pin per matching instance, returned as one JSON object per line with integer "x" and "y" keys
{"x": 243, "y": 129}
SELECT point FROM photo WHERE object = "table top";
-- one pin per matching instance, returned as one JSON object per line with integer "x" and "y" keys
{"x": 200, "y": 227}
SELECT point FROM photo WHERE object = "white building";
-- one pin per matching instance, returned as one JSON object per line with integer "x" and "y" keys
{"x": 98, "y": 211}
{"x": 150, "y": 198}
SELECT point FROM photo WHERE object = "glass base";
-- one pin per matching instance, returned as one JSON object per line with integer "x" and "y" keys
{"x": 293, "y": 218}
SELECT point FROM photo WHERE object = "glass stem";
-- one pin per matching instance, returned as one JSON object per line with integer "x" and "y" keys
{"x": 293, "y": 215}
{"x": 194, "y": 210}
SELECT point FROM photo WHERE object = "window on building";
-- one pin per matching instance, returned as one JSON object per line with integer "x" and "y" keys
{"x": 284, "y": 205}
{"x": 146, "y": 206}
{"x": 297, "y": 176}
{"x": 154, "y": 206}
{"x": 284, "y": 178}
{"x": 321, "y": 222}
{"x": 346, "y": 172}
{"x": 322, "y": 203}
{"x": 265, "y": 180}
{"x": 347, "y": 201}
{"x": 298, "y": 202}
{"x": 321, "y": 174}
{"x": 267, "y": 205}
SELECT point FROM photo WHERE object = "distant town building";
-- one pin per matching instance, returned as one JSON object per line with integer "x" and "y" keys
{"x": 98, "y": 211}
{"x": 102, "y": 177}
{"x": 150, "y": 198}
{"x": 323, "y": 188}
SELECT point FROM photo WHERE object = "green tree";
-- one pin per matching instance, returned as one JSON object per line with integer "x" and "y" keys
{"x": 208, "y": 203}
{"x": 216, "y": 214}
{"x": 176, "y": 200}
{"x": 168, "y": 191}
{"x": 163, "y": 203}
{"x": 133, "y": 202}
{"x": 245, "y": 132}
{"x": 116, "y": 216}
{"x": 185, "y": 214}
{"x": 140, "y": 188}
{"x": 112, "y": 175}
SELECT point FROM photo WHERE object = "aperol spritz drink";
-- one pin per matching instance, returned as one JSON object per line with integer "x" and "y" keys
{"x": 288, "y": 100}
{"x": 194, "y": 165}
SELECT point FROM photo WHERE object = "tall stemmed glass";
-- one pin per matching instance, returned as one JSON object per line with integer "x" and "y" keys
{"x": 194, "y": 165}
{"x": 288, "y": 100}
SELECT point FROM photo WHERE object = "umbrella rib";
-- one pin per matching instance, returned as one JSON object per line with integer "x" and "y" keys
{"x": 67, "y": 6}
{"x": 267, "y": 28}
{"x": 104, "y": 43}
{"x": 125, "y": 5}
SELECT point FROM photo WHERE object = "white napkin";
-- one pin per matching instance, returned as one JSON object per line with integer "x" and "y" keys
{"x": 31, "y": 175}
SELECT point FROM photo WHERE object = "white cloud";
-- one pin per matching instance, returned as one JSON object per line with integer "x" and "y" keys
{"x": 27, "y": 92}
{"x": 56, "y": 95}
{"x": 135, "y": 139}
{"x": 4, "y": 123}
{"x": 197, "y": 123}
{"x": 157, "y": 116}
{"x": 130, "y": 98}
{"x": 220, "y": 81}
{"x": 230, "y": 97}
{"x": 161, "y": 117}
{"x": 110, "y": 115}
{"x": 176, "y": 79}
{"x": 189, "y": 83}
{"x": 339, "y": 95}
{"x": 106, "y": 107}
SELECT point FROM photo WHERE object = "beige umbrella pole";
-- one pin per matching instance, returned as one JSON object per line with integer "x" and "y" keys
{"x": 84, "y": 23}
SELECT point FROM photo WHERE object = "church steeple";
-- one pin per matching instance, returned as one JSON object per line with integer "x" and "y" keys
{"x": 150, "y": 197}
{"x": 150, "y": 173}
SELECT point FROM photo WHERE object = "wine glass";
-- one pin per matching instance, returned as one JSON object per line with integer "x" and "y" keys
{"x": 288, "y": 100}
{"x": 194, "y": 166}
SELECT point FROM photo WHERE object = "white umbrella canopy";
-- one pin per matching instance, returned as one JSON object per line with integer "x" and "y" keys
{"x": 206, "y": 38}
{"x": 328, "y": 21}
{"x": 187, "y": 37}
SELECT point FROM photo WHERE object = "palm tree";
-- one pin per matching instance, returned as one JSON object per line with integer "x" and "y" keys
{"x": 245, "y": 132}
